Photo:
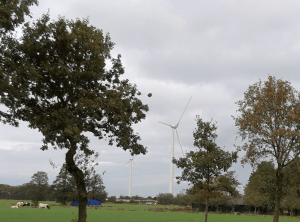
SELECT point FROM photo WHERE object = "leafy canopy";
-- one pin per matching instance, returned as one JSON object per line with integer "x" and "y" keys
{"x": 56, "y": 79}
{"x": 12, "y": 13}
{"x": 270, "y": 120}
{"x": 209, "y": 160}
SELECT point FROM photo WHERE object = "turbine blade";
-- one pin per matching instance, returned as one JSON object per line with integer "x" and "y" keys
{"x": 127, "y": 162}
{"x": 137, "y": 166}
{"x": 179, "y": 142}
{"x": 183, "y": 112}
{"x": 165, "y": 124}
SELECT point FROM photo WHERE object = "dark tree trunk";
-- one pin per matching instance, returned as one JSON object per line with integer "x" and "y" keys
{"x": 206, "y": 210}
{"x": 79, "y": 178}
{"x": 278, "y": 193}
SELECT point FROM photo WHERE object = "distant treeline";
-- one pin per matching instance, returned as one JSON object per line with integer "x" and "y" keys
{"x": 63, "y": 189}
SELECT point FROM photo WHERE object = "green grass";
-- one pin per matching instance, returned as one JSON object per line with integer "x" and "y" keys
{"x": 118, "y": 213}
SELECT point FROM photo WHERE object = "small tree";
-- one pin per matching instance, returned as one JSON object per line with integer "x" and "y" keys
{"x": 202, "y": 166}
{"x": 270, "y": 121}
{"x": 38, "y": 187}
{"x": 260, "y": 190}
{"x": 64, "y": 187}
{"x": 96, "y": 188}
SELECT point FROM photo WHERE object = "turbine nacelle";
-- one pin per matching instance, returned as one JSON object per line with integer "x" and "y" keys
{"x": 172, "y": 126}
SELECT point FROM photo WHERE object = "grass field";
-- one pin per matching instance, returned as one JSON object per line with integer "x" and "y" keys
{"x": 119, "y": 213}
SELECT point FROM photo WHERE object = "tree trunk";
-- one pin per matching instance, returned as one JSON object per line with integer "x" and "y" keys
{"x": 206, "y": 210}
{"x": 79, "y": 178}
{"x": 278, "y": 193}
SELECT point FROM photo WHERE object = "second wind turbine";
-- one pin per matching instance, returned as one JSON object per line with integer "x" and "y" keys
{"x": 130, "y": 174}
{"x": 174, "y": 127}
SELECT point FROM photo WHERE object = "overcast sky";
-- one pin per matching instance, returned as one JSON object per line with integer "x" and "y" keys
{"x": 208, "y": 50}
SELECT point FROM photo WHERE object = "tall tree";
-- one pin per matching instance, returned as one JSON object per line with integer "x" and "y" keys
{"x": 202, "y": 166}
{"x": 59, "y": 83}
{"x": 38, "y": 186}
{"x": 96, "y": 188}
{"x": 270, "y": 121}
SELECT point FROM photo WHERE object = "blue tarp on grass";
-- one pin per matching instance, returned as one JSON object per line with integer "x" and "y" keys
{"x": 89, "y": 203}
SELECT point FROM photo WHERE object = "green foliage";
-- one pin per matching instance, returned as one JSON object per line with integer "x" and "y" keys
{"x": 64, "y": 187}
{"x": 136, "y": 197}
{"x": 134, "y": 201}
{"x": 200, "y": 167}
{"x": 226, "y": 189}
{"x": 208, "y": 161}
{"x": 12, "y": 13}
{"x": 112, "y": 199}
{"x": 228, "y": 183}
{"x": 96, "y": 188}
{"x": 291, "y": 189}
{"x": 165, "y": 198}
{"x": 184, "y": 199}
{"x": 260, "y": 190}
{"x": 59, "y": 70}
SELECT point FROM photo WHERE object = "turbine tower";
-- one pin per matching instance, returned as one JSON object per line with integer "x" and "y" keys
{"x": 130, "y": 174}
{"x": 174, "y": 127}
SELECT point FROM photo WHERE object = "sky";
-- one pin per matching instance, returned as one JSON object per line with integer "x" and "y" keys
{"x": 208, "y": 50}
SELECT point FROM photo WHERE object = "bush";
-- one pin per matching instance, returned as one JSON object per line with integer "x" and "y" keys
{"x": 165, "y": 198}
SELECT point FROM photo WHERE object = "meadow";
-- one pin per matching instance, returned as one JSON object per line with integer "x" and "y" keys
{"x": 120, "y": 212}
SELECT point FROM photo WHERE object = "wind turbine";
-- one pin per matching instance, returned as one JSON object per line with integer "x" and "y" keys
{"x": 130, "y": 174}
{"x": 174, "y": 127}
